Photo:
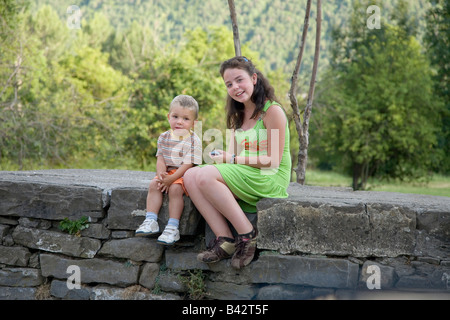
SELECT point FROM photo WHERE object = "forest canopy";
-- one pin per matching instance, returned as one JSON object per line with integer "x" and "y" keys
{"x": 94, "y": 92}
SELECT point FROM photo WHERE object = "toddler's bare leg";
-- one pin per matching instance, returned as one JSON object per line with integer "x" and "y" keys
{"x": 176, "y": 201}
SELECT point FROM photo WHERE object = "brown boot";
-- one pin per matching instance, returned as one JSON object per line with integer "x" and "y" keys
{"x": 245, "y": 249}
{"x": 219, "y": 249}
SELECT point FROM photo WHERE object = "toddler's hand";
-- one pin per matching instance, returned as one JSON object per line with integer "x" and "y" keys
{"x": 165, "y": 181}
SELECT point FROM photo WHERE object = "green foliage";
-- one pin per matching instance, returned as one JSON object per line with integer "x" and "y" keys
{"x": 62, "y": 99}
{"x": 371, "y": 118}
{"x": 437, "y": 42}
{"x": 74, "y": 227}
{"x": 192, "y": 70}
{"x": 10, "y": 17}
{"x": 98, "y": 97}
{"x": 195, "y": 282}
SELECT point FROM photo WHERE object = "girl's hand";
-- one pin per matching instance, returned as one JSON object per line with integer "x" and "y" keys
{"x": 220, "y": 156}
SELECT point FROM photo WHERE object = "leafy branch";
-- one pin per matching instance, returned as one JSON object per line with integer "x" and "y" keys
{"x": 74, "y": 227}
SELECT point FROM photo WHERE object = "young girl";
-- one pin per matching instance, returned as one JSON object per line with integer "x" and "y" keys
{"x": 257, "y": 164}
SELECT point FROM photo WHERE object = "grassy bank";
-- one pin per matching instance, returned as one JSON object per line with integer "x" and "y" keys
{"x": 438, "y": 185}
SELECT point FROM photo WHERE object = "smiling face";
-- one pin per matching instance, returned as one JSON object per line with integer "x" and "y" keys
{"x": 181, "y": 119}
{"x": 240, "y": 84}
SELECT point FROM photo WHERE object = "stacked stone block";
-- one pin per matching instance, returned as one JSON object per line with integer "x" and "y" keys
{"x": 319, "y": 242}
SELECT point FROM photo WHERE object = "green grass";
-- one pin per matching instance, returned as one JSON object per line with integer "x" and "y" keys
{"x": 327, "y": 179}
{"x": 438, "y": 185}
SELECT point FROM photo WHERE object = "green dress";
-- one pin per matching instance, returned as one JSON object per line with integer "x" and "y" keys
{"x": 252, "y": 184}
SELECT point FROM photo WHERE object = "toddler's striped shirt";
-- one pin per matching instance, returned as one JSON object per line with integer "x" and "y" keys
{"x": 177, "y": 152}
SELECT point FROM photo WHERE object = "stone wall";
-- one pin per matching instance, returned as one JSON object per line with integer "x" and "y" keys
{"x": 319, "y": 242}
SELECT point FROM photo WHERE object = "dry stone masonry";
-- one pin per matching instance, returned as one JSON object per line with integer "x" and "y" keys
{"x": 319, "y": 242}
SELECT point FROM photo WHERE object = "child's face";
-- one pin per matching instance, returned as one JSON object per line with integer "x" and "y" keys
{"x": 181, "y": 119}
{"x": 240, "y": 84}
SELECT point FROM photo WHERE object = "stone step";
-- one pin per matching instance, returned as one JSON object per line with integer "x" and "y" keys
{"x": 73, "y": 193}
{"x": 319, "y": 241}
{"x": 341, "y": 222}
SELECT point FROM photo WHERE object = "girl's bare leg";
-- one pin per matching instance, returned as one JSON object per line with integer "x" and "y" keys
{"x": 215, "y": 201}
{"x": 213, "y": 217}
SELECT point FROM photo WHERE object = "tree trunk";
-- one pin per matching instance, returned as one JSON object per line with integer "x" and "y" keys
{"x": 237, "y": 44}
{"x": 356, "y": 174}
{"x": 293, "y": 89}
{"x": 360, "y": 175}
{"x": 302, "y": 128}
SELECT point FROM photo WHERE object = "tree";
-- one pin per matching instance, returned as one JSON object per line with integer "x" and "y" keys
{"x": 378, "y": 115}
{"x": 28, "y": 129}
{"x": 192, "y": 70}
{"x": 437, "y": 40}
{"x": 62, "y": 102}
{"x": 237, "y": 42}
{"x": 303, "y": 126}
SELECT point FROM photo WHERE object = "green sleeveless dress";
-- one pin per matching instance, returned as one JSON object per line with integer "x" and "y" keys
{"x": 252, "y": 184}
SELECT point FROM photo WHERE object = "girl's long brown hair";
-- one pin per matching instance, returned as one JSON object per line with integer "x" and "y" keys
{"x": 262, "y": 92}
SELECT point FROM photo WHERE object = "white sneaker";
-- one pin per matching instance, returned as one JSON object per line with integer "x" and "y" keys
{"x": 170, "y": 235}
{"x": 148, "y": 227}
